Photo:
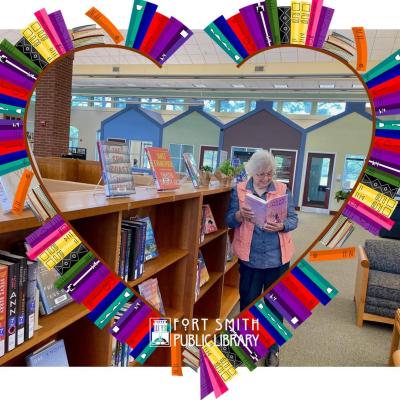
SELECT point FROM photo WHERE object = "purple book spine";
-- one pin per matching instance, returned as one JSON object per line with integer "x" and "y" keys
{"x": 388, "y": 110}
{"x": 183, "y": 36}
{"x": 58, "y": 22}
{"x": 273, "y": 299}
{"x": 258, "y": 348}
{"x": 301, "y": 313}
{"x": 11, "y": 135}
{"x": 89, "y": 282}
{"x": 130, "y": 312}
{"x": 379, "y": 164}
{"x": 49, "y": 227}
{"x": 362, "y": 220}
{"x": 387, "y": 100}
{"x": 263, "y": 22}
{"x": 249, "y": 15}
{"x": 323, "y": 26}
{"x": 12, "y": 74}
{"x": 205, "y": 381}
{"x": 7, "y": 124}
{"x": 132, "y": 323}
{"x": 386, "y": 156}
{"x": 169, "y": 32}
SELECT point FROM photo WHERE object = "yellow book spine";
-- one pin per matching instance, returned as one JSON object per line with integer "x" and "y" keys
{"x": 59, "y": 250}
{"x": 224, "y": 368}
{"x": 37, "y": 37}
{"x": 295, "y": 22}
{"x": 304, "y": 18}
{"x": 379, "y": 202}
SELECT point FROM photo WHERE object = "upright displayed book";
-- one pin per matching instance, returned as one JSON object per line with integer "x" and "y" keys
{"x": 273, "y": 211}
{"x": 192, "y": 169}
{"x": 162, "y": 167}
{"x": 204, "y": 276}
{"x": 151, "y": 292}
{"x": 209, "y": 221}
{"x": 116, "y": 168}
{"x": 53, "y": 354}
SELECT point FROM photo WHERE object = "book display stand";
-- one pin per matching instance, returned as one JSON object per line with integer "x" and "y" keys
{"x": 176, "y": 218}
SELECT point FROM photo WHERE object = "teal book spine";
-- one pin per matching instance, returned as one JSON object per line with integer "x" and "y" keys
{"x": 134, "y": 23}
{"x": 388, "y": 63}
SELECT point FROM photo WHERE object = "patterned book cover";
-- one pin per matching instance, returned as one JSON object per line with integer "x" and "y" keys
{"x": 284, "y": 24}
{"x": 26, "y": 48}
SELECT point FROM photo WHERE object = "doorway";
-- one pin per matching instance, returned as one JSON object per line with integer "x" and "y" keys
{"x": 208, "y": 157}
{"x": 318, "y": 181}
{"x": 285, "y": 166}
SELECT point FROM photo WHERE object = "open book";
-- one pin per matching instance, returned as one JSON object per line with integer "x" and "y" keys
{"x": 274, "y": 210}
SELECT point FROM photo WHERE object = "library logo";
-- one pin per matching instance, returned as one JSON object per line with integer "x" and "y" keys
{"x": 160, "y": 332}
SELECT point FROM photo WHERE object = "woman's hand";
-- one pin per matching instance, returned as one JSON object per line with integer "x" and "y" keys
{"x": 274, "y": 226}
{"x": 245, "y": 214}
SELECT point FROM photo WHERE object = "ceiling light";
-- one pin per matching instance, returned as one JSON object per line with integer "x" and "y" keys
{"x": 357, "y": 86}
{"x": 163, "y": 85}
{"x": 199, "y": 85}
{"x": 238, "y": 85}
{"x": 327, "y": 86}
{"x": 280, "y": 86}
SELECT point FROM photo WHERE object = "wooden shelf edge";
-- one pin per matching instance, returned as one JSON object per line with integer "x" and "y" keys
{"x": 231, "y": 264}
{"x": 211, "y": 236}
{"x": 51, "y": 324}
{"x": 214, "y": 277}
{"x": 165, "y": 258}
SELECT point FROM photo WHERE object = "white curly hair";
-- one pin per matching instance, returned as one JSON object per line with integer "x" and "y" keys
{"x": 261, "y": 161}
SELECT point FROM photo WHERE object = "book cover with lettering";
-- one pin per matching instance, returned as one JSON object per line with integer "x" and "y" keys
{"x": 273, "y": 210}
{"x": 209, "y": 221}
{"x": 163, "y": 169}
{"x": 53, "y": 354}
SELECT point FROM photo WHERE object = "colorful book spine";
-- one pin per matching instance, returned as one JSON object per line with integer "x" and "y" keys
{"x": 391, "y": 179}
{"x": 50, "y": 30}
{"x": 11, "y": 110}
{"x": 30, "y": 300}
{"x": 9, "y": 89}
{"x": 249, "y": 15}
{"x": 295, "y": 22}
{"x": 100, "y": 292}
{"x": 22, "y": 286}
{"x": 157, "y": 25}
{"x": 384, "y": 156}
{"x": 304, "y": 20}
{"x": 385, "y": 65}
{"x": 12, "y": 306}
{"x": 39, "y": 234}
{"x": 18, "y": 55}
{"x": 216, "y": 35}
{"x": 134, "y": 23}
{"x": 17, "y": 74}
{"x": 323, "y": 26}
{"x": 272, "y": 11}
{"x": 60, "y": 26}
{"x": 148, "y": 14}
{"x": 315, "y": 13}
{"x": 14, "y": 165}
{"x": 12, "y": 101}
{"x": 385, "y": 76}
{"x": 175, "y": 44}
{"x": 362, "y": 220}
{"x": 3, "y": 307}
{"x": 284, "y": 14}
{"x": 36, "y": 36}
{"x": 263, "y": 23}
{"x": 29, "y": 51}
{"x": 361, "y": 46}
{"x": 238, "y": 26}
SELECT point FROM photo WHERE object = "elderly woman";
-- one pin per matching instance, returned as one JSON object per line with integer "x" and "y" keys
{"x": 264, "y": 252}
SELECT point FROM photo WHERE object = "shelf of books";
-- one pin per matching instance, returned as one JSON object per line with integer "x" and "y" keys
{"x": 171, "y": 247}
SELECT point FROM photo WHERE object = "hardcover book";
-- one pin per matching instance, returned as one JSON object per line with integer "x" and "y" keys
{"x": 116, "y": 168}
{"x": 273, "y": 211}
{"x": 52, "y": 354}
{"x": 209, "y": 223}
{"x": 192, "y": 169}
{"x": 151, "y": 292}
{"x": 204, "y": 276}
{"x": 163, "y": 169}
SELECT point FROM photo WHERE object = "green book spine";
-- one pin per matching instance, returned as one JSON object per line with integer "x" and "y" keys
{"x": 389, "y": 125}
{"x": 73, "y": 271}
{"x": 272, "y": 11}
{"x": 134, "y": 23}
{"x": 13, "y": 52}
{"x": 383, "y": 176}
{"x": 385, "y": 65}
{"x": 113, "y": 308}
{"x": 11, "y": 110}
{"x": 14, "y": 166}
{"x": 219, "y": 38}
{"x": 246, "y": 360}
{"x": 271, "y": 318}
{"x": 318, "y": 279}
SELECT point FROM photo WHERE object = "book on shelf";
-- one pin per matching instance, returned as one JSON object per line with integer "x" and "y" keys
{"x": 162, "y": 167}
{"x": 204, "y": 276}
{"x": 53, "y": 354}
{"x": 116, "y": 168}
{"x": 151, "y": 292}
{"x": 192, "y": 169}
{"x": 89, "y": 40}
{"x": 150, "y": 250}
{"x": 119, "y": 350}
{"x": 271, "y": 211}
{"x": 284, "y": 16}
{"x": 51, "y": 298}
{"x": 209, "y": 221}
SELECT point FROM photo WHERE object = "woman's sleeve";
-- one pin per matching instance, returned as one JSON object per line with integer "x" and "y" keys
{"x": 291, "y": 222}
{"x": 230, "y": 219}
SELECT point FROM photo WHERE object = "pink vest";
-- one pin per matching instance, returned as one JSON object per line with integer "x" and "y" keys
{"x": 244, "y": 233}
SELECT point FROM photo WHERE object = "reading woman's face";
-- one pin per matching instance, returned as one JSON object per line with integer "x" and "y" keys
{"x": 263, "y": 178}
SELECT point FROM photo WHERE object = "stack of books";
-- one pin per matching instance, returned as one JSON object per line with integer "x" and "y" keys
{"x": 338, "y": 233}
{"x": 86, "y": 35}
{"x": 151, "y": 292}
{"x": 191, "y": 357}
{"x": 340, "y": 45}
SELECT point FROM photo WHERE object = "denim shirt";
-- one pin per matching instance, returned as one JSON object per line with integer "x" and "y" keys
{"x": 265, "y": 250}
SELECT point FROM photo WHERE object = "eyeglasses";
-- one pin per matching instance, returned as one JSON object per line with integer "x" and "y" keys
{"x": 269, "y": 174}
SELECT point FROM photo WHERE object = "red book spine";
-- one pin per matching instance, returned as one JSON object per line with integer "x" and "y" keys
{"x": 143, "y": 328}
{"x": 11, "y": 146}
{"x": 100, "y": 292}
{"x": 12, "y": 90}
{"x": 238, "y": 25}
{"x": 390, "y": 86}
{"x": 3, "y": 307}
{"x": 156, "y": 26}
{"x": 388, "y": 144}
{"x": 298, "y": 290}
{"x": 266, "y": 339}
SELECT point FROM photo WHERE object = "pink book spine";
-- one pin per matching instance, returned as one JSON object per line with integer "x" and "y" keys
{"x": 51, "y": 32}
{"x": 34, "y": 252}
{"x": 316, "y": 8}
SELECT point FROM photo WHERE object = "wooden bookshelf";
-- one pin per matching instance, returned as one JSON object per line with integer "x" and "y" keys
{"x": 176, "y": 219}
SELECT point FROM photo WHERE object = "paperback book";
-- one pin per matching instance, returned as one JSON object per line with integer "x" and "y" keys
{"x": 271, "y": 211}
